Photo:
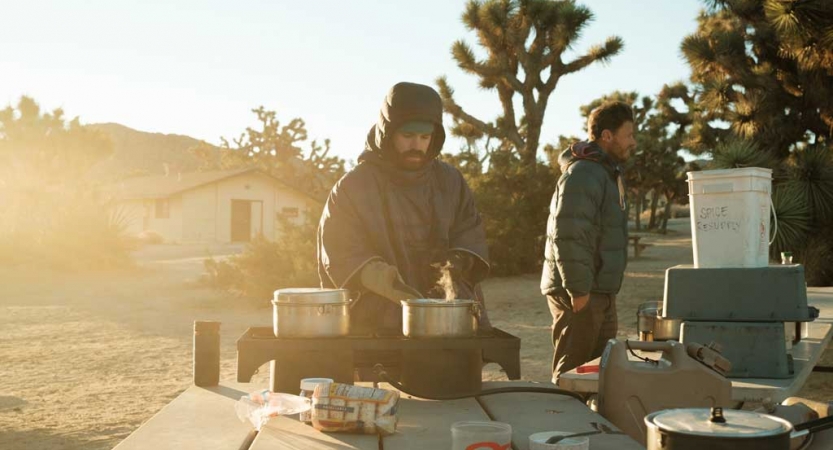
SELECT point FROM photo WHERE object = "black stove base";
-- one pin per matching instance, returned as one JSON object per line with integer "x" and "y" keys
{"x": 433, "y": 366}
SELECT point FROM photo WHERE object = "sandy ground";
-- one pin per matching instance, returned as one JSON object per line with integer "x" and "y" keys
{"x": 86, "y": 359}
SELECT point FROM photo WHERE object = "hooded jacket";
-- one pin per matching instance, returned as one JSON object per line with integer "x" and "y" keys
{"x": 587, "y": 233}
{"x": 409, "y": 219}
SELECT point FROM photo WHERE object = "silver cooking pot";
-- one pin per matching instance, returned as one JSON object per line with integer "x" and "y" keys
{"x": 653, "y": 327}
{"x": 719, "y": 429}
{"x": 311, "y": 312}
{"x": 439, "y": 318}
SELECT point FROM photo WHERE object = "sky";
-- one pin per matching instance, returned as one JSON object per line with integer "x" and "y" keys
{"x": 198, "y": 67}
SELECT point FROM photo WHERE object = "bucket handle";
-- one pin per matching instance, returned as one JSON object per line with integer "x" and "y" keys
{"x": 775, "y": 232}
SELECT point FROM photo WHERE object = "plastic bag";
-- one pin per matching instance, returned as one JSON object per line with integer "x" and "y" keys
{"x": 258, "y": 407}
{"x": 356, "y": 409}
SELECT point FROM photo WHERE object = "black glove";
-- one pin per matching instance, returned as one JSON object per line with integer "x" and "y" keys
{"x": 451, "y": 274}
{"x": 460, "y": 262}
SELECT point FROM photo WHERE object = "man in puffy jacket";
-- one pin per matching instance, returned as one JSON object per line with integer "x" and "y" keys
{"x": 587, "y": 236}
{"x": 400, "y": 215}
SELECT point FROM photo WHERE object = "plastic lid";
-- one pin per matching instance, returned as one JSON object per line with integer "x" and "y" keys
{"x": 727, "y": 173}
{"x": 697, "y": 421}
{"x": 539, "y": 441}
{"x": 309, "y": 384}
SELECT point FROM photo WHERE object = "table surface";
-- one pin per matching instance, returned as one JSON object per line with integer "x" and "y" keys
{"x": 806, "y": 355}
{"x": 426, "y": 424}
{"x": 205, "y": 418}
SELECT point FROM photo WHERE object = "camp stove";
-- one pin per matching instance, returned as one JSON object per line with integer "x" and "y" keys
{"x": 746, "y": 311}
{"x": 437, "y": 366}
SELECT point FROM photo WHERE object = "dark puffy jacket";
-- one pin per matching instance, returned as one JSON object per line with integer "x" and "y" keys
{"x": 587, "y": 231}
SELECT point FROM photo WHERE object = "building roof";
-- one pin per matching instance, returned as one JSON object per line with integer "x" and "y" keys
{"x": 163, "y": 186}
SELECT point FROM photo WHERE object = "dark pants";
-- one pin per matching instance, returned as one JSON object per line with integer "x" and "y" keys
{"x": 580, "y": 337}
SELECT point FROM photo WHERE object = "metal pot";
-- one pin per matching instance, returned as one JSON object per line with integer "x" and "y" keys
{"x": 653, "y": 327}
{"x": 439, "y": 318}
{"x": 718, "y": 429}
{"x": 311, "y": 312}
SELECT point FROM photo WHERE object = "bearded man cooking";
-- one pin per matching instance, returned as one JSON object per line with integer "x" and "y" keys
{"x": 400, "y": 215}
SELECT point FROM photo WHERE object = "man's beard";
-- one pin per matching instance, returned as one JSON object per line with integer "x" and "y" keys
{"x": 412, "y": 159}
{"x": 622, "y": 154}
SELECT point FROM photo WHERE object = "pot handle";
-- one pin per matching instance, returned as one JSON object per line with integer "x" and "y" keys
{"x": 811, "y": 427}
{"x": 354, "y": 301}
{"x": 476, "y": 309}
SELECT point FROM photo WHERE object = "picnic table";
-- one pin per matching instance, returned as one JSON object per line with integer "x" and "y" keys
{"x": 806, "y": 355}
{"x": 204, "y": 418}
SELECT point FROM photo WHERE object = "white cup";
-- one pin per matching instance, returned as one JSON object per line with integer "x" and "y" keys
{"x": 472, "y": 435}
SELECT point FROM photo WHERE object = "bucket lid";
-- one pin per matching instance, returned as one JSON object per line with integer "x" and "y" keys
{"x": 737, "y": 423}
{"x": 728, "y": 173}
{"x": 311, "y": 295}
{"x": 309, "y": 384}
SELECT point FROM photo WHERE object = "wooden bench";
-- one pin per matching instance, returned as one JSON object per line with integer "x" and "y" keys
{"x": 637, "y": 246}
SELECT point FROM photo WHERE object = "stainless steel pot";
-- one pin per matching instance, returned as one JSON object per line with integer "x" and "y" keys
{"x": 718, "y": 429}
{"x": 439, "y": 318}
{"x": 653, "y": 327}
{"x": 311, "y": 312}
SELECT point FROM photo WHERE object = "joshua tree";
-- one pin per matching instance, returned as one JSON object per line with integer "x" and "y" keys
{"x": 524, "y": 41}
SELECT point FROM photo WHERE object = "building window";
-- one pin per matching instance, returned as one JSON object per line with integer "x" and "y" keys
{"x": 163, "y": 208}
{"x": 290, "y": 213}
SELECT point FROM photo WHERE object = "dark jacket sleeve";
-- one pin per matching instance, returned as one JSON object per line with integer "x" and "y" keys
{"x": 577, "y": 227}
{"x": 468, "y": 234}
{"x": 343, "y": 248}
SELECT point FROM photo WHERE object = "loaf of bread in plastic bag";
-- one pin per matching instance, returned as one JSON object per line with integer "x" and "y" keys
{"x": 354, "y": 409}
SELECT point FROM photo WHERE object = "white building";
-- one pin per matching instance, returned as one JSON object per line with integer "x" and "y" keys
{"x": 220, "y": 206}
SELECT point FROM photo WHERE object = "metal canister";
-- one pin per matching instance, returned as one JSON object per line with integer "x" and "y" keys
{"x": 653, "y": 327}
{"x": 206, "y": 353}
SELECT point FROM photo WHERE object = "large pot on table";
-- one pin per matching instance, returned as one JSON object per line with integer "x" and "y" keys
{"x": 426, "y": 317}
{"x": 311, "y": 312}
{"x": 719, "y": 429}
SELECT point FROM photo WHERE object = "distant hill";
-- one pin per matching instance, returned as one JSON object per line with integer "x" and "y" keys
{"x": 142, "y": 153}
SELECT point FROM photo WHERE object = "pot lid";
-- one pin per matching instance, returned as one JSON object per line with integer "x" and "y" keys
{"x": 311, "y": 295}
{"x": 436, "y": 302}
{"x": 707, "y": 422}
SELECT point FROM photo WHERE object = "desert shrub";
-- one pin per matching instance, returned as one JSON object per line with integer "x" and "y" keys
{"x": 66, "y": 229}
{"x": 514, "y": 203}
{"x": 264, "y": 265}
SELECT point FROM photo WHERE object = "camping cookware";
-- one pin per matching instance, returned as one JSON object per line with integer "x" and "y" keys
{"x": 719, "y": 429}
{"x": 311, "y": 312}
{"x": 439, "y": 318}
{"x": 653, "y": 327}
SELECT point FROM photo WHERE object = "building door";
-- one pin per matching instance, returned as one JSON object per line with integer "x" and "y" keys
{"x": 241, "y": 221}
{"x": 257, "y": 218}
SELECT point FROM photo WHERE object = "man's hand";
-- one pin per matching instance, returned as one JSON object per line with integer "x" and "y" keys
{"x": 383, "y": 279}
{"x": 460, "y": 261}
{"x": 581, "y": 302}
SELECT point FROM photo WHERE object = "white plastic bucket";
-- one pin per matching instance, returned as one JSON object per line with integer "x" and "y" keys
{"x": 730, "y": 211}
